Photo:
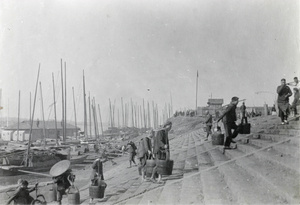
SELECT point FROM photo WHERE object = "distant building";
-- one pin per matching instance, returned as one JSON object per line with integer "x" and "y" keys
{"x": 214, "y": 106}
{"x": 10, "y": 133}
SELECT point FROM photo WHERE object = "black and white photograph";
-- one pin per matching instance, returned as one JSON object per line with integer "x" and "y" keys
{"x": 149, "y": 102}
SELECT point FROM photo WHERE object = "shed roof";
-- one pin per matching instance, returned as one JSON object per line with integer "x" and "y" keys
{"x": 215, "y": 101}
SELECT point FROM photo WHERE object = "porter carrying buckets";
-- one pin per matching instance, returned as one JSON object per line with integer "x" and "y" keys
{"x": 217, "y": 137}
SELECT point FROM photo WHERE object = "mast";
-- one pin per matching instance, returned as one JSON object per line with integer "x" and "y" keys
{"x": 123, "y": 120}
{"x": 62, "y": 98}
{"x": 56, "y": 133}
{"x": 7, "y": 112}
{"x": 171, "y": 104}
{"x": 31, "y": 124}
{"x": 65, "y": 123}
{"x": 84, "y": 104}
{"x": 75, "y": 113}
{"x": 100, "y": 121}
{"x": 30, "y": 107}
{"x": 95, "y": 123}
{"x": 118, "y": 119}
{"x": 96, "y": 118}
{"x": 90, "y": 116}
{"x": 42, "y": 106}
{"x": 110, "y": 114}
{"x": 196, "y": 92}
{"x": 141, "y": 116}
{"x": 19, "y": 115}
{"x": 145, "y": 122}
{"x": 149, "y": 117}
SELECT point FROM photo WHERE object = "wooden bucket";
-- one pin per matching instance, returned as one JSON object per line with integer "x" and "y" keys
{"x": 217, "y": 138}
{"x": 97, "y": 191}
{"x": 150, "y": 164}
{"x": 165, "y": 167}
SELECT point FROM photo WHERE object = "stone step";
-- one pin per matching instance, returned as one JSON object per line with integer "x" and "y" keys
{"x": 191, "y": 152}
{"x": 191, "y": 191}
{"x": 288, "y": 126}
{"x": 141, "y": 189}
{"x": 277, "y": 138}
{"x": 284, "y": 148}
{"x": 203, "y": 158}
{"x": 245, "y": 188}
{"x": 273, "y": 156}
{"x": 151, "y": 197}
{"x": 281, "y": 181}
{"x": 135, "y": 200}
{"x": 215, "y": 189}
{"x": 170, "y": 194}
{"x": 191, "y": 164}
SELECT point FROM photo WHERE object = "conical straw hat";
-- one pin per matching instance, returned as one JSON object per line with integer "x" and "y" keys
{"x": 60, "y": 168}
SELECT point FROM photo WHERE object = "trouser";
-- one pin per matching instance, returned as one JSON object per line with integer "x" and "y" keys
{"x": 244, "y": 118}
{"x": 228, "y": 127}
{"x": 208, "y": 130}
{"x": 283, "y": 115}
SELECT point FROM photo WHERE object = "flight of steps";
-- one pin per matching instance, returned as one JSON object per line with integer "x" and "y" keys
{"x": 251, "y": 174}
{"x": 263, "y": 169}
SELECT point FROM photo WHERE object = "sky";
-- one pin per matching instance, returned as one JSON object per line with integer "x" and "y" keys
{"x": 143, "y": 49}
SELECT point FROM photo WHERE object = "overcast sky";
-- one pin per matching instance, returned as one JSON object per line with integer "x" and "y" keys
{"x": 129, "y": 46}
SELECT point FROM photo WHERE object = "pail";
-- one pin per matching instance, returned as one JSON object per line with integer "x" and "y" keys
{"x": 52, "y": 194}
{"x": 165, "y": 167}
{"x": 73, "y": 196}
{"x": 217, "y": 138}
{"x": 150, "y": 164}
{"x": 97, "y": 191}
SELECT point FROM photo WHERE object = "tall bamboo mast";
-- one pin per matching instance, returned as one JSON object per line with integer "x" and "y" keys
{"x": 123, "y": 120}
{"x": 44, "y": 126}
{"x": 31, "y": 124}
{"x": 90, "y": 116}
{"x": 63, "y": 103}
{"x": 100, "y": 121}
{"x": 84, "y": 104}
{"x": 54, "y": 101}
{"x": 19, "y": 115}
{"x": 65, "y": 122}
{"x": 75, "y": 112}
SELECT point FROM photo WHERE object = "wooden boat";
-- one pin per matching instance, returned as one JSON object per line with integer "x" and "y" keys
{"x": 79, "y": 159}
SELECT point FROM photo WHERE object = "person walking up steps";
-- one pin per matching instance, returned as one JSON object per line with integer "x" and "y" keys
{"x": 161, "y": 147}
{"x": 145, "y": 152}
{"x": 208, "y": 122}
{"x": 296, "y": 101}
{"x": 229, "y": 118}
{"x": 132, "y": 152}
{"x": 243, "y": 111}
{"x": 284, "y": 92}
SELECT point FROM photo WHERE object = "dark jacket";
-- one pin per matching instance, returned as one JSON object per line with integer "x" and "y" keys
{"x": 229, "y": 116}
{"x": 144, "y": 147}
{"x": 208, "y": 120}
{"x": 284, "y": 92}
{"x": 160, "y": 140}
